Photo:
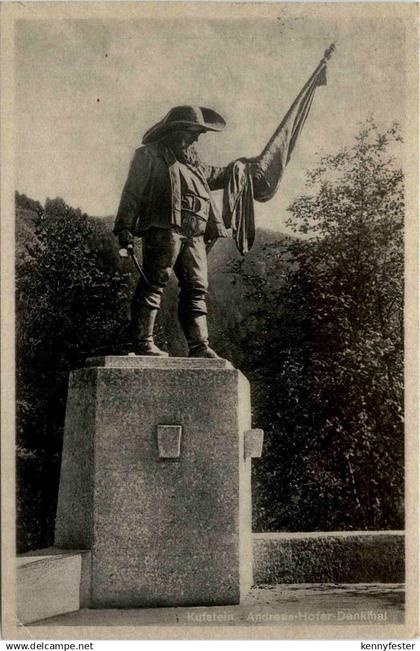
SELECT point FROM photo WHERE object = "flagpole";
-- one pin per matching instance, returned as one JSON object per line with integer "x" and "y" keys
{"x": 267, "y": 169}
{"x": 322, "y": 65}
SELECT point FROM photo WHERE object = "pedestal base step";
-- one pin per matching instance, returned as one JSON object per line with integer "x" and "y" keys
{"x": 50, "y": 582}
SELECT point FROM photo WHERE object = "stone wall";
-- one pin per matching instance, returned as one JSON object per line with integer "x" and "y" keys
{"x": 329, "y": 557}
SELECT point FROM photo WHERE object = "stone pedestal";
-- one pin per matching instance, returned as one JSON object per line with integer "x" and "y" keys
{"x": 155, "y": 480}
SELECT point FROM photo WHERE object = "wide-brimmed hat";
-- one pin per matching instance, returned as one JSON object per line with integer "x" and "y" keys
{"x": 185, "y": 117}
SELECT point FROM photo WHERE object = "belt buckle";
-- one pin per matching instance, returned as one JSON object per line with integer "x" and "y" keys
{"x": 188, "y": 202}
{"x": 196, "y": 204}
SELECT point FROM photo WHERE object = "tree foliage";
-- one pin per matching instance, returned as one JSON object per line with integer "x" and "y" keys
{"x": 327, "y": 363}
{"x": 70, "y": 303}
{"x": 22, "y": 201}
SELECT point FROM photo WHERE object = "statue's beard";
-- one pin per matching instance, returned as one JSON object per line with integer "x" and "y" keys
{"x": 187, "y": 154}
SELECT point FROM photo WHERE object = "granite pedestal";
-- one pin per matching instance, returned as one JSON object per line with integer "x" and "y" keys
{"x": 155, "y": 480}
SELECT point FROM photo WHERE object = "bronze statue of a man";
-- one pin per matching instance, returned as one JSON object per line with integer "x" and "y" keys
{"x": 167, "y": 201}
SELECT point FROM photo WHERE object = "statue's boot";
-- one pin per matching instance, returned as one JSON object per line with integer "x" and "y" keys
{"x": 142, "y": 326}
{"x": 196, "y": 333}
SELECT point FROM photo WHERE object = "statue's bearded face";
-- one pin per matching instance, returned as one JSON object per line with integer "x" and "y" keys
{"x": 184, "y": 145}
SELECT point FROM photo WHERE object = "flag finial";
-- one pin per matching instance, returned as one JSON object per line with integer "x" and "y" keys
{"x": 328, "y": 52}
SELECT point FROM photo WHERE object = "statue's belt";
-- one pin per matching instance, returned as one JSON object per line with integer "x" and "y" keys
{"x": 198, "y": 206}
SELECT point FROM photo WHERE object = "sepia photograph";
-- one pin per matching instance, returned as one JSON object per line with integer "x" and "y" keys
{"x": 209, "y": 304}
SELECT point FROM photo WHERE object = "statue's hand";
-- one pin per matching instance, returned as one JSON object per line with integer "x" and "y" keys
{"x": 125, "y": 238}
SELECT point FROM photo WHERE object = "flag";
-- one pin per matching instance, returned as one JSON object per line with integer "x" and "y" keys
{"x": 258, "y": 178}
{"x": 268, "y": 168}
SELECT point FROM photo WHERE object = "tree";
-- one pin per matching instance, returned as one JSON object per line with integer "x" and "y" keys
{"x": 71, "y": 303}
{"x": 22, "y": 201}
{"x": 329, "y": 364}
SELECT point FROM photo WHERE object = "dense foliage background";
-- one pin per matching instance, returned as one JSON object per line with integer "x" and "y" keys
{"x": 314, "y": 320}
{"x": 70, "y": 302}
{"x": 327, "y": 364}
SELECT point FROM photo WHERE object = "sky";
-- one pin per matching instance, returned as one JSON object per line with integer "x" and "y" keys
{"x": 87, "y": 90}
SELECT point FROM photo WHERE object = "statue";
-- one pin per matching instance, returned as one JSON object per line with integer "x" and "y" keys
{"x": 167, "y": 201}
